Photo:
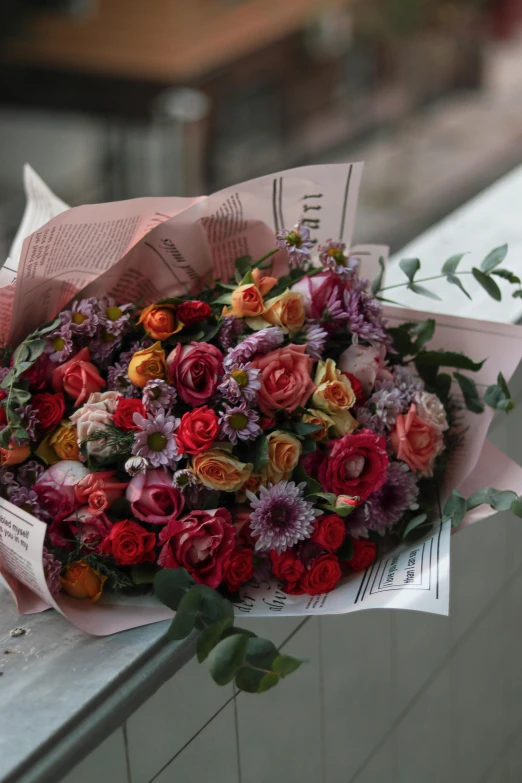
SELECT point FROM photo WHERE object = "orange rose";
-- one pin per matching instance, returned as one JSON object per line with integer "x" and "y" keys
{"x": 416, "y": 442}
{"x": 247, "y": 299}
{"x": 14, "y": 455}
{"x": 148, "y": 364}
{"x": 217, "y": 469}
{"x": 64, "y": 441}
{"x": 82, "y": 581}
{"x": 159, "y": 321}
{"x": 286, "y": 311}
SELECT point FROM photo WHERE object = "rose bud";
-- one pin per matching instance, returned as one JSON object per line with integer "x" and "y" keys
{"x": 191, "y": 313}
{"x": 14, "y": 455}
{"x": 159, "y": 321}
{"x": 82, "y": 581}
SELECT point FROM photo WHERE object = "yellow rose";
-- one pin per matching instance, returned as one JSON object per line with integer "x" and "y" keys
{"x": 320, "y": 419}
{"x": 217, "y": 469}
{"x": 147, "y": 365}
{"x": 64, "y": 441}
{"x": 286, "y": 311}
{"x": 335, "y": 396}
{"x": 82, "y": 581}
{"x": 284, "y": 450}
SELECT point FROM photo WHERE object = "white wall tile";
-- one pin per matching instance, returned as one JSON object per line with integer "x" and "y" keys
{"x": 277, "y": 629}
{"x": 280, "y": 730}
{"x": 107, "y": 762}
{"x": 170, "y": 718}
{"x": 359, "y": 687}
{"x": 211, "y": 756}
{"x": 382, "y": 767}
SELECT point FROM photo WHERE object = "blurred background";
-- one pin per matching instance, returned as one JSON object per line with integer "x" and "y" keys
{"x": 111, "y": 99}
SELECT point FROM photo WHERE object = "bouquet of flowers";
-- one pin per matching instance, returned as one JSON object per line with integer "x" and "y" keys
{"x": 258, "y": 428}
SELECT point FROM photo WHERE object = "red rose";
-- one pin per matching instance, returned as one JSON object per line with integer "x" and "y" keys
{"x": 322, "y": 576}
{"x": 239, "y": 569}
{"x": 285, "y": 379}
{"x": 312, "y": 461}
{"x": 364, "y": 553}
{"x": 356, "y": 466}
{"x": 329, "y": 532}
{"x": 50, "y": 409}
{"x": 39, "y": 374}
{"x": 3, "y": 415}
{"x": 129, "y": 543}
{"x": 197, "y": 431}
{"x": 124, "y": 412}
{"x": 78, "y": 377}
{"x": 287, "y": 567}
{"x": 195, "y": 371}
{"x": 191, "y": 313}
{"x": 201, "y": 543}
{"x": 357, "y": 388}
{"x": 153, "y": 498}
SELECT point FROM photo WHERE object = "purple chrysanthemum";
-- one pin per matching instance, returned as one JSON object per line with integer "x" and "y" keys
{"x": 240, "y": 382}
{"x": 25, "y": 498}
{"x": 364, "y": 317}
{"x": 155, "y": 441}
{"x": 314, "y": 337}
{"x": 84, "y": 317}
{"x": 28, "y": 419}
{"x": 52, "y": 570}
{"x": 230, "y": 330}
{"x": 406, "y": 385}
{"x": 239, "y": 422}
{"x": 281, "y": 516}
{"x": 29, "y": 473}
{"x": 157, "y": 394}
{"x": 118, "y": 380}
{"x": 385, "y": 507}
{"x": 260, "y": 342}
{"x": 332, "y": 256}
{"x": 382, "y": 408}
{"x": 113, "y": 318}
{"x": 297, "y": 244}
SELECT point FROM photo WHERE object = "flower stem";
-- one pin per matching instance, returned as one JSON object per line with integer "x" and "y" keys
{"x": 422, "y": 280}
{"x": 266, "y": 256}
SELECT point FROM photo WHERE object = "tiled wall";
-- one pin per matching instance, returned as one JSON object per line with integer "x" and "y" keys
{"x": 387, "y": 697}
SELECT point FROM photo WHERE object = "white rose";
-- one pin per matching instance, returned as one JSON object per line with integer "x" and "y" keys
{"x": 90, "y": 421}
{"x": 364, "y": 362}
{"x": 431, "y": 410}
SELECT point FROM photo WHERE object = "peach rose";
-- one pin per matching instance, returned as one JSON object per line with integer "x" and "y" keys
{"x": 78, "y": 377}
{"x": 284, "y": 450}
{"x": 416, "y": 442}
{"x": 334, "y": 395}
{"x": 147, "y": 365}
{"x": 82, "y": 581}
{"x": 286, "y": 311}
{"x": 247, "y": 300}
{"x": 159, "y": 321}
{"x": 285, "y": 379}
{"x": 320, "y": 419}
{"x": 217, "y": 469}
{"x": 64, "y": 442}
{"x": 14, "y": 455}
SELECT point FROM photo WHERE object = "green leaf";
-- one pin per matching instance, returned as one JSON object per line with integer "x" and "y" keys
{"x": 225, "y": 299}
{"x": 488, "y": 284}
{"x": 443, "y": 384}
{"x": 447, "y": 359}
{"x": 449, "y": 267}
{"x": 261, "y": 652}
{"x": 517, "y": 294}
{"x": 210, "y": 636}
{"x": 243, "y": 265}
{"x": 494, "y": 258}
{"x": 516, "y": 507}
{"x": 498, "y": 499}
{"x": 505, "y": 274}
{"x": 498, "y": 395}
{"x": 330, "y": 497}
{"x": 454, "y": 280}
{"x": 260, "y": 454}
{"x": 402, "y": 341}
{"x": 455, "y": 507}
{"x": 22, "y": 353}
{"x": 424, "y": 331}
{"x": 469, "y": 391}
{"x": 213, "y": 606}
{"x": 255, "y": 681}
{"x": 303, "y": 428}
{"x": 186, "y": 613}
{"x": 421, "y": 290}
{"x": 36, "y": 349}
{"x": 503, "y": 385}
{"x": 48, "y": 327}
{"x": 377, "y": 283}
{"x": 417, "y": 520}
{"x": 312, "y": 486}
{"x": 268, "y": 681}
{"x": 8, "y": 380}
{"x": 5, "y": 437}
{"x": 308, "y": 445}
{"x": 410, "y": 267}
{"x": 248, "y": 279}
{"x": 227, "y": 657}
{"x": 171, "y": 584}
{"x": 345, "y": 551}
{"x": 285, "y": 665}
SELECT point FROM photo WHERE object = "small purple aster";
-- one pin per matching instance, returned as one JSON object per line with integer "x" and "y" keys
{"x": 118, "y": 380}
{"x": 59, "y": 344}
{"x": 239, "y": 422}
{"x": 382, "y": 408}
{"x": 260, "y": 342}
{"x": 183, "y": 479}
{"x": 385, "y": 507}
{"x": 364, "y": 317}
{"x": 158, "y": 395}
{"x": 28, "y": 419}
{"x": 52, "y": 570}
{"x": 155, "y": 441}
{"x": 281, "y": 516}
{"x": 103, "y": 347}
{"x": 332, "y": 256}
{"x": 26, "y": 498}
{"x": 407, "y": 386}
{"x": 231, "y": 329}
{"x": 314, "y": 337}
{"x": 115, "y": 319}
{"x": 29, "y": 473}
{"x": 84, "y": 317}
{"x": 240, "y": 382}
{"x": 297, "y": 244}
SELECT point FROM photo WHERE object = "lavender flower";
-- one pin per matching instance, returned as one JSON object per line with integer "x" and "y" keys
{"x": 103, "y": 347}
{"x": 332, "y": 256}
{"x": 240, "y": 382}
{"x": 406, "y": 385}
{"x": 382, "y": 408}
{"x": 157, "y": 395}
{"x": 26, "y": 498}
{"x": 118, "y": 380}
{"x": 29, "y": 473}
{"x": 183, "y": 479}
{"x": 52, "y": 570}
{"x": 156, "y": 441}
{"x": 239, "y": 422}
{"x": 230, "y": 330}
{"x": 364, "y": 317}
{"x": 84, "y": 317}
{"x": 59, "y": 344}
{"x": 28, "y": 419}
{"x": 385, "y": 507}
{"x": 281, "y": 516}
{"x": 315, "y": 337}
{"x": 260, "y": 342}
{"x": 297, "y": 244}
{"x": 114, "y": 319}
{"x": 7, "y": 482}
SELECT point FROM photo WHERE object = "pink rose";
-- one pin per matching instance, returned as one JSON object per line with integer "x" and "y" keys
{"x": 152, "y": 497}
{"x": 416, "y": 442}
{"x": 201, "y": 543}
{"x": 356, "y": 466}
{"x": 366, "y": 363}
{"x": 285, "y": 379}
{"x": 319, "y": 291}
{"x": 90, "y": 422}
{"x": 91, "y": 530}
{"x": 195, "y": 371}
{"x": 97, "y": 491}
{"x": 78, "y": 377}
{"x": 55, "y": 488}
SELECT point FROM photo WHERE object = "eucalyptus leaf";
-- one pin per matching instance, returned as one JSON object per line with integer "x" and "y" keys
{"x": 500, "y": 500}
{"x": 415, "y": 522}
{"x": 454, "y": 280}
{"x": 488, "y": 284}
{"x": 410, "y": 267}
{"x": 377, "y": 283}
{"x": 186, "y": 613}
{"x": 505, "y": 274}
{"x": 171, "y": 584}
{"x": 421, "y": 290}
{"x": 261, "y": 652}
{"x": 516, "y": 507}
{"x": 424, "y": 331}
{"x": 227, "y": 657}
{"x": 210, "y": 636}
{"x": 449, "y": 267}
{"x": 455, "y": 507}
{"x": 285, "y": 665}
{"x": 494, "y": 258}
